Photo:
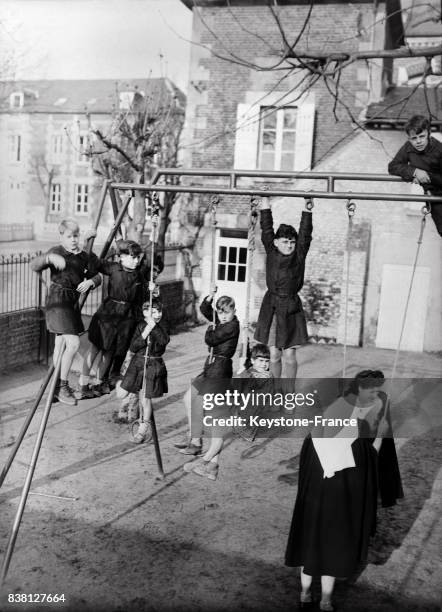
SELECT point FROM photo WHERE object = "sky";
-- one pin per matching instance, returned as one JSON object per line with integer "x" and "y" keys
{"x": 73, "y": 39}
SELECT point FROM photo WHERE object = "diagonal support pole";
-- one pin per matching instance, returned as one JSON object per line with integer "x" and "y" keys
{"x": 82, "y": 300}
{"x": 31, "y": 470}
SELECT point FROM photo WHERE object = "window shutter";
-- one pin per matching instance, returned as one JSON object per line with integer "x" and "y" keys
{"x": 247, "y": 133}
{"x": 305, "y": 129}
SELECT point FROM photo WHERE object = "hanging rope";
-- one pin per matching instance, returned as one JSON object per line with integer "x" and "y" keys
{"x": 425, "y": 210}
{"x": 351, "y": 209}
{"x": 214, "y": 201}
{"x": 154, "y": 222}
{"x": 254, "y": 203}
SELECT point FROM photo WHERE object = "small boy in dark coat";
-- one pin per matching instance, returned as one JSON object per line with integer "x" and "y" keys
{"x": 73, "y": 271}
{"x": 113, "y": 325}
{"x": 222, "y": 340}
{"x": 152, "y": 335}
{"x": 281, "y": 321}
{"x": 419, "y": 161}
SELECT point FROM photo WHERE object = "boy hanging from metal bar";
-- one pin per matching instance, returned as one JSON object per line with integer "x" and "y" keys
{"x": 281, "y": 322}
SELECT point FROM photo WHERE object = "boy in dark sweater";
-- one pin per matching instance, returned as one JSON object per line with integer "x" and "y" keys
{"x": 419, "y": 161}
{"x": 73, "y": 272}
{"x": 281, "y": 321}
{"x": 222, "y": 340}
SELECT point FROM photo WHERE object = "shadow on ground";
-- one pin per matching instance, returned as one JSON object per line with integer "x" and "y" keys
{"x": 111, "y": 569}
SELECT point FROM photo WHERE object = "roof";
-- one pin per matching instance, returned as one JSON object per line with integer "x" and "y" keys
{"x": 401, "y": 103}
{"x": 76, "y": 96}
{"x": 231, "y": 3}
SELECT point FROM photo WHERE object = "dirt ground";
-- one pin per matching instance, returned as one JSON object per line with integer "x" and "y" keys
{"x": 120, "y": 539}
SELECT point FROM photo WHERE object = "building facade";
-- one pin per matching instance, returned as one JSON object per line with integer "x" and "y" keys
{"x": 241, "y": 114}
{"x": 46, "y": 140}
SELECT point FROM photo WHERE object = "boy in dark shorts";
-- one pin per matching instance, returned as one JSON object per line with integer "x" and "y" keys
{"x": 73, "y": 271}
{"x": 148, "y": 368}
{"x": 222, "y": 340}
{"x": 281, "y": 321}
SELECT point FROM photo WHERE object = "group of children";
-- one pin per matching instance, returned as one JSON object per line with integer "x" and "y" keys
{"x": 118, "y": 328}
{"x": 129, "y": 325}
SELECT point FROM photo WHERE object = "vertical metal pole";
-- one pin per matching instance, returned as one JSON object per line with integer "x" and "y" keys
{"x": 154, "y": 217}
{"x": 156, "y": 444}
{"x": 31, "y": 469}
{"x": 115, "y": 210}
{"x": 213, "y": 275}
{"x": 351, "y": 207}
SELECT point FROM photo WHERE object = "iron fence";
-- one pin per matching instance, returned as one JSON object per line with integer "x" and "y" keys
{"x": 21, "y": 288}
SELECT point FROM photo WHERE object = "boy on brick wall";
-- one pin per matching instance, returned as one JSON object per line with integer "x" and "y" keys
{"x": 419, "y": 161}
{"x": 281, "y": 321}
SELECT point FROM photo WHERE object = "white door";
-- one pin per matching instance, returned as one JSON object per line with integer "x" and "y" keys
{"x": 231, "y": 271}
{"x": 394, "y": 292}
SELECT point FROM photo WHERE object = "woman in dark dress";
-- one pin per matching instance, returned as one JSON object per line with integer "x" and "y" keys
{"x": 340, "y": 476}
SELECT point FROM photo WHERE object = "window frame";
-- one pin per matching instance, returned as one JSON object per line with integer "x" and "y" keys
{"x": 279, "y": 137}
{"x": 81, "y": 199}
{"x": 55, "y": 199}
{"x": 55, "y": 154}
{"x": 15, "y": 147}
{"x": 81, "y": 157}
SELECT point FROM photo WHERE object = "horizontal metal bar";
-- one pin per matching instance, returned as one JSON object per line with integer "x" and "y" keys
{"x": 344, "y": 176}
{"x": 336, "y": 195}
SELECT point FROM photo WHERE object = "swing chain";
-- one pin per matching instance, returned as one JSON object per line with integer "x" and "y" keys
{"x": 351, "y": 208}
{"x": 426, "y": 209}
{"x": 214, "y": 201}
{"x": 309, "y": 204}
{"x": 254, "y": 203}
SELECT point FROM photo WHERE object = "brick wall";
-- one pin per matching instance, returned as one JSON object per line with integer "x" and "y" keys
{"x": 20, "y": 333}
{"x": 217, "y": 86}
{"x": 383, "y": 232}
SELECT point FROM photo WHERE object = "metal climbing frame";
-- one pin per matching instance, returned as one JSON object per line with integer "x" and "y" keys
{"x": 231, "y": 187}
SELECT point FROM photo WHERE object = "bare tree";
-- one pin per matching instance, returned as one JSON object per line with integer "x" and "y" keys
{"x": 293, "y": 52}
{"x": 144, "y": 134}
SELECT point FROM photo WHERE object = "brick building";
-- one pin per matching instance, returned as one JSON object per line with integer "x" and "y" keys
{"x": 243, "y": 118}
{"x": 45, "y": 170}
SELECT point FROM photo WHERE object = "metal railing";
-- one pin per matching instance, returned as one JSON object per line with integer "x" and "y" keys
{"x": 233, "y": 186}
{"x": 22, "y": 289}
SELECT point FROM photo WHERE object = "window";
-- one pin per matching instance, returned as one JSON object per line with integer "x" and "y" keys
{"x": 126, "y": 99}
{"x": 232, "y": 263}
{"x": 56, "y": 148}
{"x": 14, "y": 147}
{"x": 16, "y": 100}
{"x": 81, "y": 199}
{"x": 277, "y": 136}
{"x": 55, "y": 198}
{"x": 82, "y": 148}
{"x": 274, "y": 137}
